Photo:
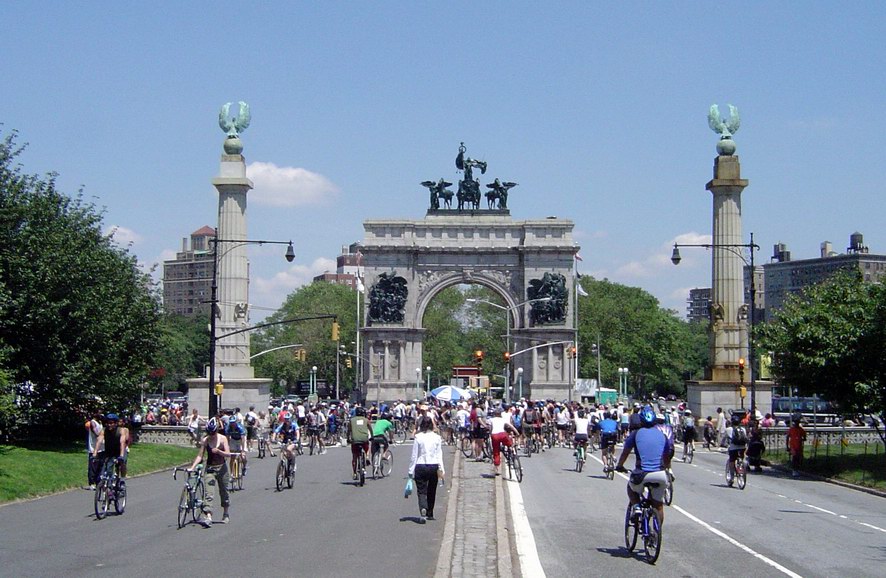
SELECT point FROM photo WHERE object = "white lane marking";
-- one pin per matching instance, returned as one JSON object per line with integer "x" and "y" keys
{"x": 872, "y": 526}
{"x": 821, "y": 509}
{"x": 738, "y": 544}
{"x": 527, "y": 551}
{"x": 728, "y": 538}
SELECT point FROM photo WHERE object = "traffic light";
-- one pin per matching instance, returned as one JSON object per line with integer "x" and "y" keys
{"x": 571, "y": 352}
{"x": 478, "y": 356}
{"x": 219, "y": 388}
{"x": 507, "y": 356}
{"x": 741, "y": 369}
{"x": 335, "y": 330}
{"x": 301, "y": 355}
{"x": 348, "y": 363}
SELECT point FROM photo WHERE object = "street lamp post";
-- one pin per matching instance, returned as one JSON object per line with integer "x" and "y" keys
{"x": 313, "y": 386}
{"x": 417, "y": 380}
{"x": 675, "y": 259}
{"x": 520, "y": 382}
{"x": 623, "y": 382}
{"x": 508, "y": 311}
{"x": 595, "y": 348}
{"x": 428, "y": 372}
{"x": 213, "y": 306}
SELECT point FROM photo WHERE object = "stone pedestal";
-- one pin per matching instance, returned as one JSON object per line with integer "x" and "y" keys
{"x": 237, "y": 393}
{"x": 704, "y": 397}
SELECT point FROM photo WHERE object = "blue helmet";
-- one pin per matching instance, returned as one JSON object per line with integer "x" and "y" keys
{"x": 647, "y": 416}
{"x": 212, "y": 426}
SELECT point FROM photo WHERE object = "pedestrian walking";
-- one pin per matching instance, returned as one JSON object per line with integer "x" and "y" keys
{"x": 426, "y": 467}
{"x": 721, "y": 427}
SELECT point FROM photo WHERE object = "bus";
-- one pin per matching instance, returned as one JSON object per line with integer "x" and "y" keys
{"x": 813, "y": 410}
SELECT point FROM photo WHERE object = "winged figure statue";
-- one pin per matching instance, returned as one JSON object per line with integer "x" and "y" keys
{"x": 234, "y": 126}
{"x": 717, "y": 124}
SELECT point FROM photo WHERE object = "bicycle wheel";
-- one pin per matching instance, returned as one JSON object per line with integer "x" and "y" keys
{"x": 400, "y": 433}
{"x": 610, "y": 464}
{"x": 281, "y": 475}
{"x": 311, "y": 445}
{"x": 487, "y": 448}
{"x": 261, "y": 448}
{"x": 691, "y": 453}
{"x": 239, "y": 473}
{"x": 232, "y": 476}
{"x": 741, "y": 475}
{"x": 184, "y": 507}
{"x": 361, "y": 466}
{"x": 197, "y": 499}
{"x": 387, "y": 463}
{"x": 506, "y": 457}
{"x": 580, "y": 464}
{"x": 290, "y": 475}
{"x": 467, "y": 448}
{"x": 120, "y": 497}
{"x": 652, "y": 537}
{"x": 631, "y": 531}
{"x": 101, "y": 499}
{"x": 730, "y": 474}
{"x": 376, "y": 465}
{"x": 518, "y": 468}
{"x": 669, "y": 493}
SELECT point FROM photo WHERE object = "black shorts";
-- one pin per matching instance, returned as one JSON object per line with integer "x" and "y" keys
{"x": 608, "y": 439}
{"x": 689, "y": 434}
{"x": 562, "y": 427}
{"x": 479, "y": 433}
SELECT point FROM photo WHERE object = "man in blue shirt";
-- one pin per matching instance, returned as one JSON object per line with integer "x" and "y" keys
{"x": 654, "y": 452}
{"x": 608, "y": 433}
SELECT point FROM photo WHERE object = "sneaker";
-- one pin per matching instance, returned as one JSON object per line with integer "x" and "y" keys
{"x": 90, "y": 487}
{"x": 422, "y": 520}
{"x": 355, "y": 475}
{"x": 424, "y": 513}
{"x": 225, "y": 519}
{"x": 430, "y": 517}
{"x": 206, "y": 522}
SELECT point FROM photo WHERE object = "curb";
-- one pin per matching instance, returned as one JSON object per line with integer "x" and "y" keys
{"x": 836, "y": 482}
{"x": 444, "y": 559}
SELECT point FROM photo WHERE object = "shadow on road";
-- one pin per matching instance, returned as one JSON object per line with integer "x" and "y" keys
{"x": 413, "y": 519}
{"x": 616, "y": 552}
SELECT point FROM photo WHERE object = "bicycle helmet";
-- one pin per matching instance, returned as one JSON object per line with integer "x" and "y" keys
{"x": 647, "y": 416}
{"x": 736, "y": 419}
{"x": 687, "y": 412}
{"x": 361, "y": 411}
{"x": 212, "y": 426}
{"x": 111, "y": 417}
{"x": 386, "y": 416}
{"x": 287, "y": 416}
{"x": 581, "y": 413}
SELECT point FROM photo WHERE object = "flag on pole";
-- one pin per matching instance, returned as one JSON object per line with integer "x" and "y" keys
{"x": 580, "y": 290}
{"x": 578, "y": 257}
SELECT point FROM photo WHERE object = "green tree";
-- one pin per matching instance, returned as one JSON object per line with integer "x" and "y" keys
{"x": 830, "y": 340}
{"x": 314, "y": 336}
{"x": 659, "y": 349}
{"x": 79, "y": 319}
{"x": 183, "y": 351}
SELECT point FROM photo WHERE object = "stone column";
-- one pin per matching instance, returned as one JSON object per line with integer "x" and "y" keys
{"x": 232, "y": 353}
{"x": 728, "y": 322}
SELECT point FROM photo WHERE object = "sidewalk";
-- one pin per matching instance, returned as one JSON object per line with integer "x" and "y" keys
{"x": 476, "y": 538}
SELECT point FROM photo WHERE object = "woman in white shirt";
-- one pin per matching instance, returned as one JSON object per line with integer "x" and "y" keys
{"x": 426, "y": 466}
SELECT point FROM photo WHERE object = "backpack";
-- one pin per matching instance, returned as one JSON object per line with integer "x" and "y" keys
{"x": 250, "y": 420}
{"x": 233, "y": 431}
{"x": 739, "y": 436}
{"x": 517, "y": 420}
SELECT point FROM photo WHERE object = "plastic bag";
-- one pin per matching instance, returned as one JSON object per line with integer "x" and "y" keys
{"x": 407, "y": 491}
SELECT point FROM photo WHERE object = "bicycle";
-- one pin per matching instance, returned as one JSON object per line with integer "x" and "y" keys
{"x": 109, "y": 488}
{"x": 263, "y": 445}
{"x": 361, "y": 467}
{"x": 512, "y": 458}
{"x": 579, "y": 456}
{"x": 465, "y": 443}
{"x": 609, "y": 461}
{"x": 642, "y": 520}
{"x": 382, "y": 461}
{"x": 669, "y": 489}
{"x": 193, "y": 495}
{"x": 688, "y": 451}
{"x": 236, "y": 472}
{"x": 737, "y": 471}
{"x": 400, "y": 430}
{"x": 285, "y": 470}
{"x": 314, "y": 435}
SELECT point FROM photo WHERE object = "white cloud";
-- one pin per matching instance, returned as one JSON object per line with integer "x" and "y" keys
{"x": 691, "y": 238}
{"x": 271, "y": 292}
{"x": 287, "y": 186}
{"x": 123, "y": 236}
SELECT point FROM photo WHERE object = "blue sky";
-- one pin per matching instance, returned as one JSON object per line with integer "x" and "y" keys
{"x": 597, "y": 110}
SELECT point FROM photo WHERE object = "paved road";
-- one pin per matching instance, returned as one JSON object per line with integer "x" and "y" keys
{"x": 777, "y": 526}
{"x": 323, "y": 526}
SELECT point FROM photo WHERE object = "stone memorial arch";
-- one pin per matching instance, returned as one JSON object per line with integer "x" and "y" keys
{"x": 408, "y": 262}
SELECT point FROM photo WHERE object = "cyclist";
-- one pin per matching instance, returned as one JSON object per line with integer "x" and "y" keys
{"x": 251, "y": 430}
{"x": 654, "y": 451}
{"x": 562, "y": 418}
{"x": 382, "y": 430}
{"x": 358, "y": 436}
{"x": 608, "y": 433}
{"x": 500, "y": 428}
{"x": 236, "y": 433}
{"x": 582, "y": 425}
{"x": 315, "y": 421}
{"x": 688, "y": 432}
{"x": 737, "y": 437}
{"x": 288, "y": 434}
{"x": 214, "y": 447}
{"x": 112, "y": 444}
{"x": 532, "y": 423}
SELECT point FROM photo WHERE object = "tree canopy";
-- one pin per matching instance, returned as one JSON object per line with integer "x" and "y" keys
{"x": 78, "y": 319}
{"x": 659, "y": 350}
{"x": 830, "y": 340}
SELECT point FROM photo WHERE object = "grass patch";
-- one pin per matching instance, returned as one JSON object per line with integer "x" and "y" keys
{"x": 32, "y": 470}
{"x": 861, "y": 464}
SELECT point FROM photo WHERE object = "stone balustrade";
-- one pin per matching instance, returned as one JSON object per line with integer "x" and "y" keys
{"x": 176, "y": 435}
